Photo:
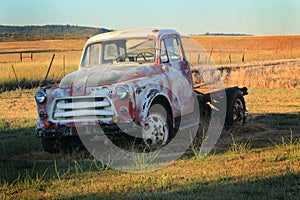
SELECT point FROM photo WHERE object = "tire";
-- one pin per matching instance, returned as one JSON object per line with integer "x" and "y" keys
{"x": 158, "y": 127}
{"x": 236, "y": 110}
{"x": 51, "y": 145}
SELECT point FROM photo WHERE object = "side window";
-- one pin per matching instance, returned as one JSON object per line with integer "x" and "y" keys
{"x": 95, "y": 54}
{"x": 170, "y": 50}
{"x": 110, "y": 51}
{"x": 163, "y": 52}
{"x": 86, "y": 58}
{"x": 91, "y": 55}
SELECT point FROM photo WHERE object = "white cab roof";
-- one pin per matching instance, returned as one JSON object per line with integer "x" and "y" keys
{"x": 147, "y": 32}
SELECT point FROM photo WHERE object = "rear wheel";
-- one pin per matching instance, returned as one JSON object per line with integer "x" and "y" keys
{"x": 236, "y": 110}
{"x": 158, "y": 127}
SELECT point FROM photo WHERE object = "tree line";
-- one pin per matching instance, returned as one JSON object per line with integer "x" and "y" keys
{"x": 52, "y": 30}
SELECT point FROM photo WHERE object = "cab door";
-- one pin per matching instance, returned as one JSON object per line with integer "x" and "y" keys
{"x": 178, "y": 72}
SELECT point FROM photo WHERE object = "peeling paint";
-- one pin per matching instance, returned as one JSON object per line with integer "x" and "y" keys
{"x": 145, "y": 81}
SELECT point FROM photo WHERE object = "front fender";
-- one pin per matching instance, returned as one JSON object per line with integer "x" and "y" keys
{"x": 145, "y": 104}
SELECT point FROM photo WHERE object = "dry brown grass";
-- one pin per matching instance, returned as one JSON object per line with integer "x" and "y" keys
{"x": 43, "y": 44}
{"x": 18, "y": 105}
{"x": 283, "y": 75}
{"x": 36, "y": 69}
{"x": 253, "y": 47}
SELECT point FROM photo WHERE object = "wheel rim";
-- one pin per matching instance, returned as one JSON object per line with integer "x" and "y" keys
{"x": 238, "y": 112}
{"x": 156, "y": 131}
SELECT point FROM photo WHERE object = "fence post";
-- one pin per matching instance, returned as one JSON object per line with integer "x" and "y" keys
{"x": 31, "y": 56}
{"x": 15, "y": 74}
{"x": 220, "y": 55}
{"x": 243, "y": 58}
{"x": 21, "y": 58}
{"x": 210, "y": 55}
{"x": 64, "y": 64}
{"x": 291, "y": 49}
{"x": 229, "y": 58}
{"x": 45, "y": 80}
{"x": 199, "y": 56}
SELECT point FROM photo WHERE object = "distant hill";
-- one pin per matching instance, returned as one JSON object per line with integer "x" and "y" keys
{"x": 52, "y": 30}
{"x": 227, "y": 34}
{"x": 222, "y": 34}
{"x": 47, "y": 32}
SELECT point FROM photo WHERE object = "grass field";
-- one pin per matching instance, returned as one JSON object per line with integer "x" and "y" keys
{"x": 258, "y": 160}
{"x": 29, "y": 70}
{"x": 254, "y": 48}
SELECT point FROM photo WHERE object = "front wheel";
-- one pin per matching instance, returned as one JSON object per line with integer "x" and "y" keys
{"x": 54, "y": 145}
{"x": 51, "y": 145}
{"x": 158, "y": 127}
{"x": 236, "y": 110}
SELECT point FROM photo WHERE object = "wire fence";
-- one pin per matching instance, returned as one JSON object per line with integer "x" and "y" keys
{"x": 224, "y": 56}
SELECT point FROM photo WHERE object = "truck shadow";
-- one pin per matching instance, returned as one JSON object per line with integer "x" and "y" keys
{"x": 264, "y": 130}
{"x": 261, "y": 130}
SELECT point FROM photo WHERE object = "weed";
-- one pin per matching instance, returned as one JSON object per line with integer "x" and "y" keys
{"x": 240, "y": 146}
{"x": 198, "y": 144}
{"x": 290, "y": 149}
{"x": 144, "y": 159}
{"x": 57, "y": 172}
{"x": 99, "y": 166}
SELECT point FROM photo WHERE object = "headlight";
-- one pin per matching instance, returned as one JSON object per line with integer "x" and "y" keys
{"x": 122, "y": 91}
{"x": 40, "y": 96}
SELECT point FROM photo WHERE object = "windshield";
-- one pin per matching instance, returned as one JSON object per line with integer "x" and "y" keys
{"x": 139, "y": 50}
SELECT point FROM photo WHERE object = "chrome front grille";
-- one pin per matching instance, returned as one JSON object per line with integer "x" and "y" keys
{"x": 83, "y": 108}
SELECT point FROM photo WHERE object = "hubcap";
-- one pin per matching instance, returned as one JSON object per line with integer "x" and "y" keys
{"x": 156, "y": 130}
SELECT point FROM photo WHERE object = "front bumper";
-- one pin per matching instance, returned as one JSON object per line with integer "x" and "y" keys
{"x": 132, "y": 129}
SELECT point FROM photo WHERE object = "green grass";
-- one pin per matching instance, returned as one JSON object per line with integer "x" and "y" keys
{"x": 261, "y": 173}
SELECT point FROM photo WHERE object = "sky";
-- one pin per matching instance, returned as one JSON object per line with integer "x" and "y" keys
{"x": 257, "y": 17}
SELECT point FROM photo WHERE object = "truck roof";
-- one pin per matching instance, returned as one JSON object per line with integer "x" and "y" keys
{"x": 146, "y": 32}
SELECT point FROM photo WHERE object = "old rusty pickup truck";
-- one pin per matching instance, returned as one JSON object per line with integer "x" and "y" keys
{"x": 137, "y": 83}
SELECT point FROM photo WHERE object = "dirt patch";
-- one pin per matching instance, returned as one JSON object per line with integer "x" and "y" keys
{"x": 259, "y": 134}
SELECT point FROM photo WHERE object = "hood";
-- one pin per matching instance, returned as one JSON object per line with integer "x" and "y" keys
{"x": 107, "y": 75}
